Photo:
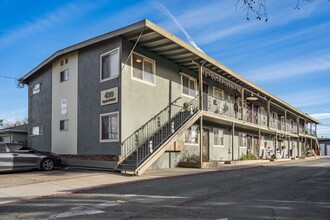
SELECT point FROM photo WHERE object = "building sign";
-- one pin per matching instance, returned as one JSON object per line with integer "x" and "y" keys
{"x": 109, "y": 96}
{"x": 64, "y": 106}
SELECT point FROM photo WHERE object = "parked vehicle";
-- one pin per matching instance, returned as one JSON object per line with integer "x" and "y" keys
{"x": 18, "y": 157}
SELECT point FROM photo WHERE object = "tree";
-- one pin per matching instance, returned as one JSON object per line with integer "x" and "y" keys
{"x": 259, "y": 8}
{"x": 18, "y": 122}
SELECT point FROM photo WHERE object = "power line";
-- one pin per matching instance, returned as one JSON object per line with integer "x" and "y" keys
{"x": 18, "y": 83}
{"x": 8, "y": 77}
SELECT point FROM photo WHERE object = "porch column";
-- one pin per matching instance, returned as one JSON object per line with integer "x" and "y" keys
{"x": 259, "y": 139}
{"x": 200, "y": 73}
{"x": 232, "y": 140}
{"x": 268, "y": 114}
{"x": 201, "y": 140}
{"x": 289, "y": 147}
{"x": 242, "y": 103}
{"x": 285, "y": 120}
{"x": 298, "y": 126}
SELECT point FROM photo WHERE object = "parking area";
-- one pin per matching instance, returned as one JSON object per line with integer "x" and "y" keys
{"x": 35, "y": 176}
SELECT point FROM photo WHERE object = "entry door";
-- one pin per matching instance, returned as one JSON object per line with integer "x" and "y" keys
{"x": 205, "y": 144}
{"x": 205, "y": 97}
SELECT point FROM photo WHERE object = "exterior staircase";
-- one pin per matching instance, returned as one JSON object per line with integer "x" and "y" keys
{"x": 149, "y": 142}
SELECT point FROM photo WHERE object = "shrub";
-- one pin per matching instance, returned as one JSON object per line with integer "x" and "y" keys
{"x": 190, "y": 158}
{"x": 248, "y": 156}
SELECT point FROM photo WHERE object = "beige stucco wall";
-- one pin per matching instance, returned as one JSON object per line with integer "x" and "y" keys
{"x": 65, "y": 142}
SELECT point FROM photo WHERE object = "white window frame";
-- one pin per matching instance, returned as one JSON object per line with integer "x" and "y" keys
{"x": 195, "y": 85}
{"x": 33, "y": 88}
{"x": 216, "y": 133}
{"x": 221, "y": 91}
{"x": 153, "y": 69}
{"x": 100, "y": 127}
{"x": 242, "y": 137}
{"x": 68, "y": 75}
{"x": 197, "y": 135}
{"x": 65, "y": 120}
{"x": 105, "y": 54}
{"x": 40, "y": 130}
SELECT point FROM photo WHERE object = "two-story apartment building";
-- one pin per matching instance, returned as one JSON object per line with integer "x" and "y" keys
{"x": 141, "y": 97}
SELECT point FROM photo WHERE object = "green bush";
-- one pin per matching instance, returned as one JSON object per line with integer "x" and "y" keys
{"x": 248, "y": 156}
{"x": 190, "y": 158}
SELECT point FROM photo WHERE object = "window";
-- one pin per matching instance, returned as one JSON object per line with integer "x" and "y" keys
{"x": 188, "y": 85}
{"x": 36, "y": 89}
{"x": 3, "y": 148}
{"x": 143, "y": 68}
{"x": 110, "y": 127}
{"x": 218, "y": 93}
{"x": 242, "y": 140}
{"x": 110, "y": 65}
{"x": 291, "y": 124}
{"x": 191, "y": 135}
{"x": 64, "y": 125}
{"x": 38, "y": 130}
{"x": 218, "y": 137}
{"x": 66, "y": 60}
{"x": 64, "y": 75}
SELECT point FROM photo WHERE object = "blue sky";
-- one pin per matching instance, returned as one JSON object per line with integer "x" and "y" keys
{"x": 289, "y": 55}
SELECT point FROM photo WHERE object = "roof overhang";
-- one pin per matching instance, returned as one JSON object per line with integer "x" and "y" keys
{"x": 159, "y": 41}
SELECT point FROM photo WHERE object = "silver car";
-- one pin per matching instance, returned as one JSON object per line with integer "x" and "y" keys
{"x": 17, "y": 157}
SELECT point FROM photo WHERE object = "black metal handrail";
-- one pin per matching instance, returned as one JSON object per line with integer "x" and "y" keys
{"x": 164, "y": 132}
{"x": 146, "y": 130}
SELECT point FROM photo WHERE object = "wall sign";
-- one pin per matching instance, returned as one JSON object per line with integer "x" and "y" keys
{"x": 109, "y": 96}
{"x": 64, "y": 106}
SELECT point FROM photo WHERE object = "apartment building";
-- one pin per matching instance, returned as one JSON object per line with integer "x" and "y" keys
{"x": 141, "y": 98}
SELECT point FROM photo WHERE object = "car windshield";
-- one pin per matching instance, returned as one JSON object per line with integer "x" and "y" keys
{"x": 17, "y": 148}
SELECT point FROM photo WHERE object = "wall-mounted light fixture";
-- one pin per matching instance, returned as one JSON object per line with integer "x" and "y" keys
{"x": 252, "y": 98}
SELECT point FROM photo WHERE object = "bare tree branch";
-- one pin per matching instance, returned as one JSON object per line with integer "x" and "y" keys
{"x": 259, "y": 8}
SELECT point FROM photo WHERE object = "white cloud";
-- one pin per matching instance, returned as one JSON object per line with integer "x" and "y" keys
{"x": 282, "y": 15}
{"x": 45, "y": 22}
{"x": 321, "y": 115}
{"x": 173, "y": 18}
{"x": 308, "y": 98}
{"x": 291, "y": 68}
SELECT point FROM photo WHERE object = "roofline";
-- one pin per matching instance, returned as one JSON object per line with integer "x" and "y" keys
{"x": 187, "y": 46}
{"x": 168, "y": 35}
{"x": 97, "y": 39}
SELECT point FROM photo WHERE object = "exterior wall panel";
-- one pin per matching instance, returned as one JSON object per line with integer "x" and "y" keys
{"x": 40, "y": 109}
{"x": 89, "y": 99}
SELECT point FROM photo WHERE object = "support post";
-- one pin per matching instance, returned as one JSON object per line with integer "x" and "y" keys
{"x": 201, "y": 140}
{"x": 232, "y": 141}
{"x": 285, "y": 121}
{"x": 242, "y": 104}
{"x": 200, "y": 73}
{"x": 259, "y": 139}
{"x": 268, "y": 114}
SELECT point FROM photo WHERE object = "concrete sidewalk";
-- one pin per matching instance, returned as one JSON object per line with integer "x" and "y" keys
{"x": 18, "y": 187}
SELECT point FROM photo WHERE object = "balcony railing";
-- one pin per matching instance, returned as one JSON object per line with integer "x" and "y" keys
{"x": 226, "y": 108}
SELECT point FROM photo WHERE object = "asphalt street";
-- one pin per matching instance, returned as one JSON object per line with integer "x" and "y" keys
{"x": 299, "y": 190}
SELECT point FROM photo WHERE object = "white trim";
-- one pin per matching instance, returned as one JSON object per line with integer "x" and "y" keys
{"x": 32, "y": 88}
{"x": 119, "y": 65}
{"x": 153, "y": 69}
{"x": 184, "y": 136}
{"x": 217, "y": 88}
{"x": 223, "y": 136}
{"x": 100, "y": 127}
{"x": 190, "y": 78}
